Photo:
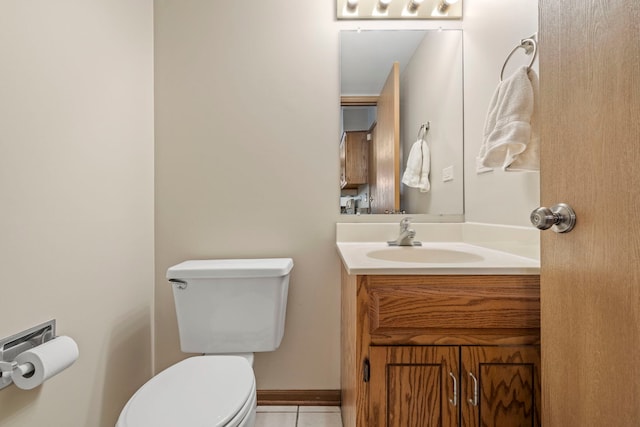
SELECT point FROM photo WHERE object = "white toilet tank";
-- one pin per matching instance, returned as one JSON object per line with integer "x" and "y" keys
{"x": 230, "y": 305}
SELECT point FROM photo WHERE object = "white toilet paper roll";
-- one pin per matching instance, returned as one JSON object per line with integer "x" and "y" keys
{"x": 47, "y": 359}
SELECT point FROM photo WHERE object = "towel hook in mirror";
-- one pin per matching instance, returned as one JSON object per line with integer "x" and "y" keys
{"x": 424, "y": 128}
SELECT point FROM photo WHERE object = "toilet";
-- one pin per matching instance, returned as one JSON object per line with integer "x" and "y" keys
{"x": 227, "y": 309}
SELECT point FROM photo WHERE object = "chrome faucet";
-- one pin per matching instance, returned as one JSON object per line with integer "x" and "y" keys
{"x": 406, "y": 236}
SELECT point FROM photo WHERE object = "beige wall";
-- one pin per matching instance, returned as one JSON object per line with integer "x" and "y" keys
{"x": 247, "y": 130}
{"x": 246, "y": 113}
{"x": 491, "y": 30}
{"x": 76, "y": 185}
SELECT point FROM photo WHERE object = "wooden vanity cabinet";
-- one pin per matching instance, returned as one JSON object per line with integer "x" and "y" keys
{"x": 422, "y": 386}
{"x": 354, "y": 159}
{"x": 412, "y": 346}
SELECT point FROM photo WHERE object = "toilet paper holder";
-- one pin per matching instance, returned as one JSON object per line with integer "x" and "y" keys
{"x": 11, "y": 347}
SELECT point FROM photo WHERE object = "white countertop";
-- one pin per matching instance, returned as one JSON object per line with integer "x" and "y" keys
{"x": 481, "y": 260}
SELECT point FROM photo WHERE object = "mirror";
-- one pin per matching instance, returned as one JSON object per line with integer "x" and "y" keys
{"x": 397, "y": 88}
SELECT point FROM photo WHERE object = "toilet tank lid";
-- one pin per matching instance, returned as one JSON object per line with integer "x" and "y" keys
{"x": 230, "y": 268}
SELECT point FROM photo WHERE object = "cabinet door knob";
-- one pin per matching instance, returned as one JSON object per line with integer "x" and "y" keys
{"x": 474, "y": 401}
{"x": 454, "y": 400}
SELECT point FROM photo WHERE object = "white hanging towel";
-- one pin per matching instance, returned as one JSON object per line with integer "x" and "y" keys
{"x": 508, "y": 127}
{"x": 529, "y": 159}
{"x": 416, "y": 173}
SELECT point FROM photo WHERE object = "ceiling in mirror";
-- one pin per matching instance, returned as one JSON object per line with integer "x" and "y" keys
{"x": 367, "y": 56}
{"x": 399, "y": 9}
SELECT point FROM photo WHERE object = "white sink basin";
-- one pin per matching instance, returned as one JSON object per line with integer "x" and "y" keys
{"x": 424, "y": 255}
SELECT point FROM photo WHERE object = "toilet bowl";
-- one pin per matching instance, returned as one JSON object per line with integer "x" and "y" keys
{"x": 212, "y": 391}
{"x": 226, "y": 310}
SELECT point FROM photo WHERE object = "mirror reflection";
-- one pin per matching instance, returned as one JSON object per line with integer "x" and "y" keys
{"x": 401, "y": 144}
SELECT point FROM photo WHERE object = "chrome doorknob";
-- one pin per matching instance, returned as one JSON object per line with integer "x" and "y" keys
{"x": 561, "y": 218}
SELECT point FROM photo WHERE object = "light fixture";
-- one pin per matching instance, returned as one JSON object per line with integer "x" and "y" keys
{"x": 413, "y": 5}
{"x": 397, "y": 9}
{"x": 383, "y": 5}
{"x": 444, "y": 5}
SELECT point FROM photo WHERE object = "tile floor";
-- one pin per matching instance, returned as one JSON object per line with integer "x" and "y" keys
{"x": 298, "y": 416}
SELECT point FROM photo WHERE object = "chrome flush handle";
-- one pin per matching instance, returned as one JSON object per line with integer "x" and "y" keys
{"x": 180, "y": 284}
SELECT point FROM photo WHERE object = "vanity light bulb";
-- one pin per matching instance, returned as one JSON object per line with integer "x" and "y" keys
{"x": 444, "y": 4}
{"x": 383, "y": 4}
{"x": 414, "y": 5}
{"x": 352, "y": 4}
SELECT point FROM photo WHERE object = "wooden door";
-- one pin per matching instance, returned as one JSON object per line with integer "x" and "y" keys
{"x": 500, "y": 386}
{"x": 412, "y": 386}
{"x": 385, "y": 187}
{"x": 373, "y": 169}
{"x": 590, "y": 277}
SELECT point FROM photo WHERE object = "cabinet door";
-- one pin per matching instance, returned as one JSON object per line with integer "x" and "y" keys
{"x": 414, "y": 386}
{"x": 501, "y": 386}
{"x": 354, "y": 155}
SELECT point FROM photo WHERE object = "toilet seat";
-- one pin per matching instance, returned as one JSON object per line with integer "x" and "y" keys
{"x": 207, "y": 391}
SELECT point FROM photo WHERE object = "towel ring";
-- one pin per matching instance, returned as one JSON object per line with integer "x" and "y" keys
{"x": 530, "y": 46}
